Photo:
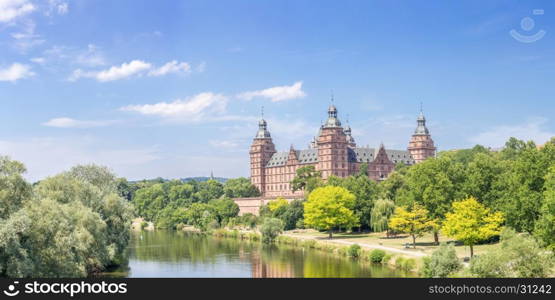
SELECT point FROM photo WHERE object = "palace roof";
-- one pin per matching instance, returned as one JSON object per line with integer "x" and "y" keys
{"x": 360, "y": 154}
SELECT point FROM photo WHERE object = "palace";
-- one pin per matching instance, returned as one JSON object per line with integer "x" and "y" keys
{"x": 332, "y": 152}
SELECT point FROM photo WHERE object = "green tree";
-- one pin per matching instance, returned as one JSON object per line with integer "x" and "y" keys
{"x": 545, "y": 226}
{"x": 442, "y": 263}
{"x": 381, "y": 212}
{"x": 471, "y": 222}
{"x": 224, "y": 209}
{"x": 328, "y": 207}
{"x": 365, "y": 191}
{"x": 413, "y": 221}
{"x": 307, "y": 179}
{"x": 14, "y": 190}
{"x": 200, "y": 215}
{"x": 434, "y": 184}
{"x": 240, "y": 188}
{"x": 270, "y": 229}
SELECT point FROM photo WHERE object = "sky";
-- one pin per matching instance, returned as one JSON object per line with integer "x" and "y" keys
{"x": 175, "y": 88}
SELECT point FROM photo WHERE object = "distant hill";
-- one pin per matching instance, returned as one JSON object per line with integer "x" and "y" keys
{"x": 187, "y": 179}
{"x": 201, "y": 179}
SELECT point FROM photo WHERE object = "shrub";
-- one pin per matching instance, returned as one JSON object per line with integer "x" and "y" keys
{"x": 408, "y": 264}
{"x": 386, "y": 259}
{"x": 399, "y": 261}
{"x": 377, "y": 256}
{"x": 519, "y": 255}
{"x": 270, "y": 229}
{"x": 442, "y": 262}
{"x": 354, "y": 251}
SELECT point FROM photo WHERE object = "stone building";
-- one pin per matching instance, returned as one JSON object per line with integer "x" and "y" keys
{"x": 332, "y": 152}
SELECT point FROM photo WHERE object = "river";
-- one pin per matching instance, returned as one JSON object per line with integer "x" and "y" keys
{"x": 181, "y": 254}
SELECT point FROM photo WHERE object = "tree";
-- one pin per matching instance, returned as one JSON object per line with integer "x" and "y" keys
{"x": 442, "y": 263}
{"x": 240, "y": 188}
{"x": 434, "y": 184}
{"x": 519, "y": 255}
{"x": 545, "y": 226}
{"x": 381, "y": 212}
{"x": 14, "y": 190}
{"x": 413, "y": 221}
{"x": 471, "y": 222}
{"x": 270, "y": 229}
{"x": 277, "y": 204}
{"x": 199, "y": 215}
{"x": 306, "y": 179}
{"x": 74, "y": 224}
{"x": 365, "y": 191}
{"x": 224, "y": 209}
{"x": 328, "y": 207}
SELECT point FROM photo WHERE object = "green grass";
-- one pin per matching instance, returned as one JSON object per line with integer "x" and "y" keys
{"x": 423, "y": 244}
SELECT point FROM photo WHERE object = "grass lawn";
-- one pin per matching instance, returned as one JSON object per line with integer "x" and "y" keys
{"x": 424, "y": 244}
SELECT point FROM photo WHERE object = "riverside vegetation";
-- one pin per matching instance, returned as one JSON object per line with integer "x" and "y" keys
{"x": 468, "y": 197}
{"x": 471, "y": 197}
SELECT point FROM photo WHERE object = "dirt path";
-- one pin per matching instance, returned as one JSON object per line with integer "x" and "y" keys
{"x": 364, "y": 245}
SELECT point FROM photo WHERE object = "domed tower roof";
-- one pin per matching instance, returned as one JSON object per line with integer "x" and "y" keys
{"x": 332, "y": 121}
{"x": 421, "y": 128}
{"x": 262, "y": 132}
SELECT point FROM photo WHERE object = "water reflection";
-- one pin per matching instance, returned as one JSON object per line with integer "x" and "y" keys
{"x": 179, "y": 254}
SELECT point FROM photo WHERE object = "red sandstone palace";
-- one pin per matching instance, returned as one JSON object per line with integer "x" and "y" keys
{"x": 333, "y": 152}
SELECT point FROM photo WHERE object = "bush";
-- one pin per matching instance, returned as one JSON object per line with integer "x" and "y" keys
{"x": 377, "y": 256}
{"x": 442, "y": 262}
{"x": 270, "y": 229}
{"x": 408, "y": 264}
{"x": 399, "y": 261}
{"x": 354, "y": 251}
{"x": 386, "y": 259}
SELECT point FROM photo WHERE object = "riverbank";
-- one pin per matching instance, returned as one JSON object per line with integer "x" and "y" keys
{"x": 390, "y": 257}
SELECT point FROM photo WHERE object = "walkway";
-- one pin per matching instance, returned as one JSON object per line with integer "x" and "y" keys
{"x": 364, "y": 245}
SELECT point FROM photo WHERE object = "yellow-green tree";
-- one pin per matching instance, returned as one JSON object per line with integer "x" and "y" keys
{"x": 471, "y": 222}
{"x": 277, "y": 203}
{"x": 329, "y": 207}
{"x": 413, "y": 221}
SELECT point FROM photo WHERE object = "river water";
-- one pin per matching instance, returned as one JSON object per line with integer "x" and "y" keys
{"x": 181, "y": 254}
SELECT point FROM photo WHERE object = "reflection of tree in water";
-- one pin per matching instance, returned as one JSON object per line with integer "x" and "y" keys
{"x": 171, "y": 246}
{"x": 266, "y": 260}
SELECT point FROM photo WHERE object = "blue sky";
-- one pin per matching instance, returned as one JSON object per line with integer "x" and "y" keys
{"x": 174, "y": 88}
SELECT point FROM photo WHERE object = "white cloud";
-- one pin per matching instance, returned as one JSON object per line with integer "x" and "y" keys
{"x": 171, "y": 67}
{"x": 200, "y": 107}
{"x": 26, "y": 38}
{"x": 38, "y": 60}
{"x": 13, "y": 9}
{"x": 535, "y": 130}
{"x": 91, "y": 57}
{"x": 125, "y": 70}
{"x": 72, "y": 123}
{"x": 15, "y": 72}
{"x": 277, "y": 93}
{"x": 59, "y": 7}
